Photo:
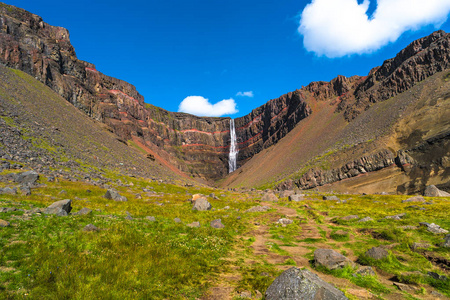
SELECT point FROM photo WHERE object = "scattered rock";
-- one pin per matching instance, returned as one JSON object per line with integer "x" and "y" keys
{"x": 414, "y": 199}
{"x": 177, "y": 220}
{"x": 269, "y": 197}
{"x": 446, "y": 243}
{"x": 128, "y": 217}
{"x": 26, "y": 178}
{"x": 433, "y": 228}
{"x": 366, "y": 219}
{"x": 90, "y": 227}
{"x": 396, "y": 217}
{"x": 296, "y": 197}
{"x": 194, "y": 225}
{"x": 433, "y": 191}
{"x": 417, "y": 246}
{"x": 295, "y": 283}
{"x": 59, "y": 208}
{"x": 285, "y": 221}
{"x": 258, "y": 208}
{"x": 350, "y": 217}
{"x": 217, "y": 224}
{"x": 150, "y": 218}
{"x": 365, "y": 271}
{"x": 408, "y": 227}
{"x": 406, "y": 287}
{"x": 377, "y": 253}
{"x": 437, "y": 276}
{"x": 201, "y": 204}
{"x": 114, "y": 195}
{"x": 331, "y": 198}
{"x": 4, "y": 223}
{"x": 331, "y": 259}
{"x": 246, "y": 295}
{"x": 82, "y": 212}
{"x": 8, "y": 191}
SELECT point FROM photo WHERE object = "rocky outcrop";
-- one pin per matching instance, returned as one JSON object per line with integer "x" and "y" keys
{"x": 374, "y": 162}
{"x": 419, "y": 60}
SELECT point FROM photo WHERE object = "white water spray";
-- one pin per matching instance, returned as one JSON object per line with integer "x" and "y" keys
{"x": 233, "y": 148}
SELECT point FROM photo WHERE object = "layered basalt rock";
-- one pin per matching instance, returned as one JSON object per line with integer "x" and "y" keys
{"x": 418, "y": 61}
{"x": 198, "y": 146}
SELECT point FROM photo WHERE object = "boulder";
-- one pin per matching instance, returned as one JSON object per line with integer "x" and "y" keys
{"x": 26, "y": 178}
{"x": 59, "y": 208}
{"x": 269, "y": 197}
{"x": 418, "y": 246}
{"x": 366, "y": 219}
{"x": 90, "y": 227}
{"x": 377, "y": 253}
{"x": 284, "y": 221}
{"x": 295, "y": 283}
{"x": 446, "y": 243}
{"x": 25, "y": 190}
{"x": 258, "y": 208}
{"x": 331, "y": 198}
{"x": 365, "y": 271}
{"x": 296, "y": 198}
{"x": 83, "y": 211}
{"x": 217, "y": 224}
{"x": 433, "y": 191}
{"x": 396, "y": 217}
{"x": 350, "y": 217}
{"x": 177, "y": 220}
{"x": 414, "y": 199}
{"x": 4, "y": 223}
{"x": 150, "y": 218}
{"x": 114, "y": 195}
{"x": 331, "y": 259}
{"x": 8, "y": 191}
{"x": 201, "y": 204}
{"x": 433, "y": 228}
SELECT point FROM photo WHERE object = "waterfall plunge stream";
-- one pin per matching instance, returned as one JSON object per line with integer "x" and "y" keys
{"x": 233, "y": 148}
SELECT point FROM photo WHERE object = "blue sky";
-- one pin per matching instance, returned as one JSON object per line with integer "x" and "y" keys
{"x": 174, "y": 49}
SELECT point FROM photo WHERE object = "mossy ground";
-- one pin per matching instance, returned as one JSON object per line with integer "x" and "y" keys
{"x": 48, "y": 257}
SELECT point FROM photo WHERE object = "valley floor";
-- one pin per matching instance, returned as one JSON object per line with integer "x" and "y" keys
{"x": 149, "y": 246}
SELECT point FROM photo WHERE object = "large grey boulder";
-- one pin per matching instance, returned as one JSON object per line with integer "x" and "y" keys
{"x": 331, "y": 259}
{"x": 114, "y": 195}
{"x": 59, "y": 208}
{"x": 84, "y": 211}
{"x": 433, "y": 191}
{"x": 26, "y": 178}
{"x": 201, "y": 204}
{"x": 300, "y": 284}
{"x": 446, "y": 243}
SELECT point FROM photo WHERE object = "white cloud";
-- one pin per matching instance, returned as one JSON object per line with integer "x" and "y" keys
{"x": 200, "y": 106}
{"x": 245, "y": 94}
{"x": 336, "y": 28}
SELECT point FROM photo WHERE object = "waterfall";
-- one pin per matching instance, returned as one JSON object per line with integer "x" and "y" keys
{"x": 233, "y": 148}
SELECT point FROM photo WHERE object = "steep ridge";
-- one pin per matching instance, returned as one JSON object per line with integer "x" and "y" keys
{"x": 199, "y": 146}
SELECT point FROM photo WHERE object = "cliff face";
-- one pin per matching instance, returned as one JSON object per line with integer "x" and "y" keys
{"x": 198, "y": 146}
{"x": 195, "y": 145}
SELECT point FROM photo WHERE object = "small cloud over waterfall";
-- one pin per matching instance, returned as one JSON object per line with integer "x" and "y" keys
{"x": 200, "y": 106}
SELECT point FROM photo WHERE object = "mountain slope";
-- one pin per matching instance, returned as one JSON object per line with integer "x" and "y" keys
{"x": 43, "y": 130}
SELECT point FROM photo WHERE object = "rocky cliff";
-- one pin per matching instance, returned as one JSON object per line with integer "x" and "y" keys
{"x": 198, "y": 146}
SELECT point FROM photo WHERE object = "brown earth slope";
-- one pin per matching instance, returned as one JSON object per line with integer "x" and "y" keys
{"x": 57, "y": 135}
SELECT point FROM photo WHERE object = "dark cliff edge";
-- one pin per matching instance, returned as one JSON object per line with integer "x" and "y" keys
{"x": 198, "y": 146}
